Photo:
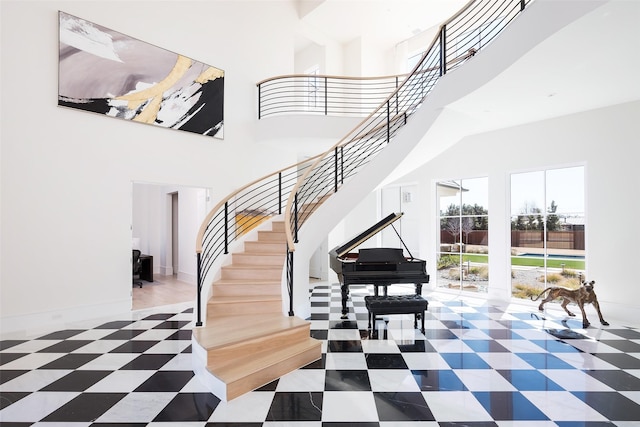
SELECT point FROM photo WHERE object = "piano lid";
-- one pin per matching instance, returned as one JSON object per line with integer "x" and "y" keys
{"x": 345, "y": 248}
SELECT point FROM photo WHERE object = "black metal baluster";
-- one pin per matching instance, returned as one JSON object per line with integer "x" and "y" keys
{"x": 388, "y": 123}
{"x": 279, "y": 193}
{"x": 341, "y": 164}
{"x": 259, "y": 101}
{"x": 326, "y": 96}
{"x": 295, "y": 218}
{"x": 290, "y": 279}
{"x": 199, "y": 296}
{"x": 443, "y": 49}
{"x": 226, "y": 228}
{"x": 335, "y": 172}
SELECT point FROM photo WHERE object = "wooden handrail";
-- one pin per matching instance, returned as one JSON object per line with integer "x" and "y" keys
{"x": 392, "y": 76}
{"x": 329, "y": 76}
{"x": 216, "y": 208}
{"x": 346, "y": 141}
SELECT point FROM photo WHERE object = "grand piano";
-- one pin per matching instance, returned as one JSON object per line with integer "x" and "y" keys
{"x": 375, "y": 266}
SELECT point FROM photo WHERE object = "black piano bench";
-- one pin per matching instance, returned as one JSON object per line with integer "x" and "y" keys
{"x": 378, "y": 305}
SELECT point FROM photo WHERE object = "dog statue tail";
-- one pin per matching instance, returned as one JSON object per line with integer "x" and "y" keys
{"x": 540, "y": 294}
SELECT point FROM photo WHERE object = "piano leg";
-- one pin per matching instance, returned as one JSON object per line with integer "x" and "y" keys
{"x": 418, "y": 315}
{"x": 376, "y": 290}
{"x": 345, "y": 294}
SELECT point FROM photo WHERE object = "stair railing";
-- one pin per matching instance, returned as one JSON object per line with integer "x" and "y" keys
{"x": 459, "y": 38}
{"x": 237, "y": 214}
{"x": 296, "y": 190}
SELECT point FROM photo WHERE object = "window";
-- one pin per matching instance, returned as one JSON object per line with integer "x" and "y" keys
{"x": 547, "y": 230}
{"x": 463, "y": 251}
{"x": 313, "y": 88}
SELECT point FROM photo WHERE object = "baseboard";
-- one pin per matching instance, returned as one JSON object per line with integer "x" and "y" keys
{"x": 37, "y": 323}
{"x": 187, "y": 278}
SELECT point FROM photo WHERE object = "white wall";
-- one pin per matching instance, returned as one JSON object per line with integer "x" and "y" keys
{"x": 67, "y": 175}
{"x": 312, "y": 55}
{"x": 603, "y": 140}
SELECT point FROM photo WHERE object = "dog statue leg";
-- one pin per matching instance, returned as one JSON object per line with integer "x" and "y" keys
{"x": 544, "y": 301}
{"x": 585, "y": 321}
{"x": 597, "y": 306}
{"x": 564, "y": 304}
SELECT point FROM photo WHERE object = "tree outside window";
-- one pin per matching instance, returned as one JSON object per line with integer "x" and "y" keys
{"x": 547, "y": 230}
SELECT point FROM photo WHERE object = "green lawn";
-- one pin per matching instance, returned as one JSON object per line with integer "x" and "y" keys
{"x": 576, "y": 264}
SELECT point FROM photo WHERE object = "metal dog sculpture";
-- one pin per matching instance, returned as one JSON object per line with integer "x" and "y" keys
{"x": 581, "y": 296}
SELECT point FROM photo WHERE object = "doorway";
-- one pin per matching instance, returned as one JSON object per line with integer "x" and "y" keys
{"x": 165, "y": 222}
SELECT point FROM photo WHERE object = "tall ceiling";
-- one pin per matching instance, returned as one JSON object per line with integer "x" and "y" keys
{"x": 387, "y": 22}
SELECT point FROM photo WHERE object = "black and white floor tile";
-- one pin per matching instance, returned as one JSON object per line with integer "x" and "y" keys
{"x": 477, "y": 365}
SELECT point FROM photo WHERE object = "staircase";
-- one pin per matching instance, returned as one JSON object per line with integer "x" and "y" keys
{"x": 247, "y": 341}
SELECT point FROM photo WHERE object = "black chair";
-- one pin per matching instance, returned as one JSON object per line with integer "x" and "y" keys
{"x": 137, "y": 267}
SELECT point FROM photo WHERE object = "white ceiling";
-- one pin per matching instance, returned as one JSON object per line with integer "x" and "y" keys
{"x": 387, "y": 22}
{"x": 590, "y": 63}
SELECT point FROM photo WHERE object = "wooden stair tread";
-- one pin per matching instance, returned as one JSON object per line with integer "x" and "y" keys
{"x": 224, "y": 299}
{"x": 260, "y": 254}
{"x": 265, "y": 253}
{"x": 241, "y": 282}
{"x": 252, "y": 267}
{"x": 245, "y": 365}
{"x": 223, "y": 331}
{"x": 262, "y": 247}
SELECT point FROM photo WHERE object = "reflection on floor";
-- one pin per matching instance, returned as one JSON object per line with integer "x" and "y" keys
{"x": 478, "y": 365}
{"x": 164, "y": 290}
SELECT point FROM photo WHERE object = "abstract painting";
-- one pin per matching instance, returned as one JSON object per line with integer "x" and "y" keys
{"x": 106, "y": 72}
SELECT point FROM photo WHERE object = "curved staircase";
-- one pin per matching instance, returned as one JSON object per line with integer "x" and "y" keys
{"x": 248, "y": 341}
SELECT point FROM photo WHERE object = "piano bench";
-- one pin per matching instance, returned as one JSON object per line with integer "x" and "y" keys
{"x": 396, "y": 304}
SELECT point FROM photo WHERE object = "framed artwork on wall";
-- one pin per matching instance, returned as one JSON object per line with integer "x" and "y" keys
{"x": 106, "y": 72}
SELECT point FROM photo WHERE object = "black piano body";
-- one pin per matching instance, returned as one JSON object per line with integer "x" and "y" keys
{"x": 375, "y": 266}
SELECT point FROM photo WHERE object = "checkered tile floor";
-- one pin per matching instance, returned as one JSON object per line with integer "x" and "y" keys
{"x": 478, "y": 365}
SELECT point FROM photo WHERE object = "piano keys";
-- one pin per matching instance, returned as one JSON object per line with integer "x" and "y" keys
{"x": 375, "y": 266}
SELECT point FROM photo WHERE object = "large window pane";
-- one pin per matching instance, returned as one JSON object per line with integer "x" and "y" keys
{"x": 527, "y": 193}
{"x": 464, "y": 226}
{"x": 547, "y": 230}
{"x": 565, "y": 190}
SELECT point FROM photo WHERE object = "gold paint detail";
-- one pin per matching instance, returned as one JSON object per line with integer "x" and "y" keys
{"x": 154, "y": 93}
{"x": 150, "y": 111}
{"x": 210, "y": 73}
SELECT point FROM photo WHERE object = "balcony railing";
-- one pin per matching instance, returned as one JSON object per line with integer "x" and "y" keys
{"x": 324, "y": 94}
{"x": 317, "y": 94}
